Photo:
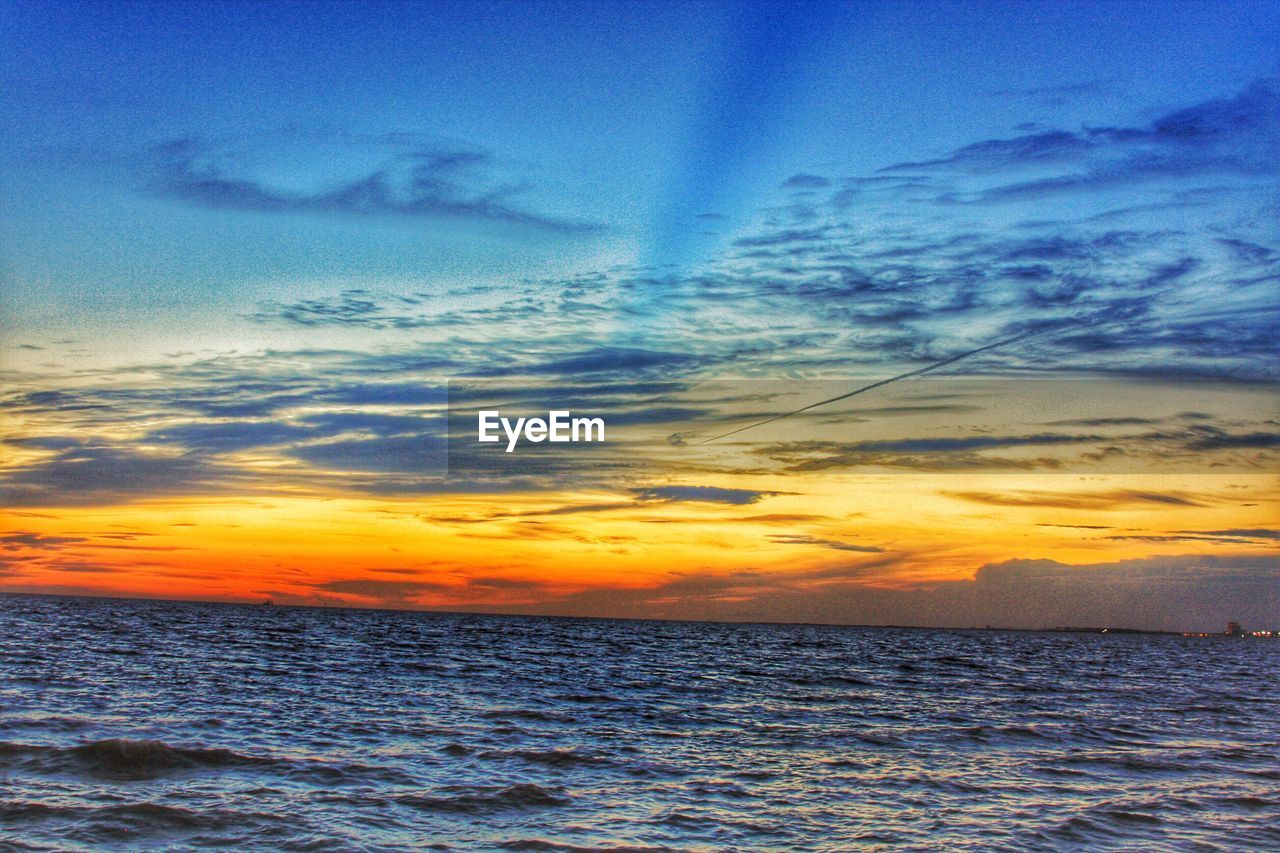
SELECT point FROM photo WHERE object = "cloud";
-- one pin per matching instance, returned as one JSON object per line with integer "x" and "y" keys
{"x": 406, "y": 454}
{"x": 1037, "y": 148}
{"x": 1099, "y": 422}
{"x": 931, "y": 454}
{"x": 1212, "y": 438}
{"x": 376, "y": 423}
{"x": 978, "y": 442}
{"x": 1247, "y": 532}
{"x": 806, "y": 181}
{"x": 1175, "y": 593}
{"x": 787, "y": 539}
{"x": 704, "y": 494}
{"x": 230, "y": 436}
{"x": 353, "y": 307}
{"x": 459, "y": 590}
{"x": 400, "y": 592}
{"x": 1114, "y": 499}
{"x": 91, "y": 474}
{"x": 783, "y": 238}
{"x": 408, "y": 176}
{"x": 631, "y": 361}
{"x": 1198, "y": 446}
{"x": 1231, "y": 536}
{"x": 36, "y": 541}
{"x": 1237, "y": 136}
{"x": 1221, "y": 540}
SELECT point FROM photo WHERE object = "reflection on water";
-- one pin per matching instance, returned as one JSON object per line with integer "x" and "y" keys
{"x": 146, "y": 723}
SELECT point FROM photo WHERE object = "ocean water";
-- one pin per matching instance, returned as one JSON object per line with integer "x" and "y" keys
{"x": 133, "y": 724}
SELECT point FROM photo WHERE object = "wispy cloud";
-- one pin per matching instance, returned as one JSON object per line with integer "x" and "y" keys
{"x": 408, "y": 176}
{"x": 1239, "y": 135}
{"x": 702, "y": 494}
{"x": 803, "y": 539}
{"x": 36, "y": 541}
{"x": 1113, "y": 499}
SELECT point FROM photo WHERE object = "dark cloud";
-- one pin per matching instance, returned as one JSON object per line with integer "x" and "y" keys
{"x": 1199, "y": 446}
{"x": 462, "y": 589}
{"x": 395, "y": 592}
{"x": 228, "y": 437}
{"x": 371, "y": 422}
{"x": 934, "y": 454}
{"x": 1212, "y": 438}
{"x": 357, "y": 393}
{"x": 80, "y": 567}
{"x": 349, "y": 308}
{"x": 707, "y": 494}
{"x": 977, "y": 442}
{"x": 1247, "y": 532}
{"x": 1221, "y": 540}
{"x": 96, "y": 474}
{"x": 1233, "y": 536}
{"x": 406, "y": 454}
{"x": 45, "y": 442}
{"x": 1239, "y": 135}
{"x": 806, "y": 181}
{"x": 789, "y": 539}
{"x": 1114, "y": 499}
{"x": 413, "y": 180}
{"x": 1037, "y": 148}
{"x": 36, "y": 541}
{"x": 783, "y": 238}
{"x": 1250, "y": 253}
{"x": 1101, "y": 422}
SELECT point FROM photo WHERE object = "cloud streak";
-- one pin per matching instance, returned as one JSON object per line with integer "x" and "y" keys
{"x": 1235, "y": 136}
{"x": 412, "y": 178}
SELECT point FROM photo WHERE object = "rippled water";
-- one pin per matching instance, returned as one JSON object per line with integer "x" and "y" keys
{"x": 131, "y": 724}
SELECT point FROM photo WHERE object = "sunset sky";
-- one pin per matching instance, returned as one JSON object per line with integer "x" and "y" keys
{"x": 260, "y": 264}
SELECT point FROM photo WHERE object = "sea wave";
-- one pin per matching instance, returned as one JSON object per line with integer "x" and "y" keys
{"x": 479, "y": 799}
{"x": 120, "y": 757}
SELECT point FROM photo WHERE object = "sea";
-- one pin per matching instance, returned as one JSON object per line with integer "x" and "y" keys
{"x": 137, "y": 725}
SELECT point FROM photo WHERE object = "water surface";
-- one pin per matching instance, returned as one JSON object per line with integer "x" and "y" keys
{"x": 136, "y": 724}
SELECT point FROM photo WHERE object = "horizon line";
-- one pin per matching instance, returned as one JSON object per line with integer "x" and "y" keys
{"x": 1058, "y": 629}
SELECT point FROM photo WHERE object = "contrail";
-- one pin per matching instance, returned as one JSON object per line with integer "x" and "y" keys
{"x": 873, "y": 385}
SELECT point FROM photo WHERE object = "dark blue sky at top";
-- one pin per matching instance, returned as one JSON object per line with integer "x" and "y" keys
{"x": 165, "y": 156}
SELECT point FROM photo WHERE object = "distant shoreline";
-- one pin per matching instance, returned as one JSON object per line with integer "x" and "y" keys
{"x": 554, "y": 616}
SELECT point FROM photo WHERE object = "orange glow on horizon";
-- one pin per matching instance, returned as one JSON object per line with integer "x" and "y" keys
{"x": 459, "y": 551}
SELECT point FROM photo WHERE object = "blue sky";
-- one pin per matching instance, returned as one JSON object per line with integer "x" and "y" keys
{"x": 629, "y": 120}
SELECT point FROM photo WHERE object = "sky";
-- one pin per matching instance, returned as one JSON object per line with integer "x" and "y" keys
{"x": 261, "y": 263}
